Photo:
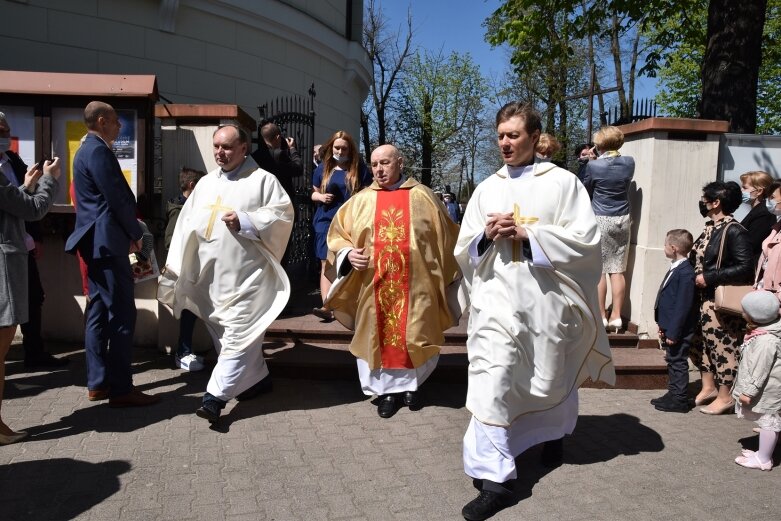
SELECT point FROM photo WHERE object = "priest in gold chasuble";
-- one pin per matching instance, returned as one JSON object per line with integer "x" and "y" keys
{"x": 224, "y": 266}
{"x": 392, "y": 246}
{"x": 529, "y": 250}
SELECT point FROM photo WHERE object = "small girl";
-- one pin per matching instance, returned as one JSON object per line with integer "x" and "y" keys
{"x": 757, "y": 389}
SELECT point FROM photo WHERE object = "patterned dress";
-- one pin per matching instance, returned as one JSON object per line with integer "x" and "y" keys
{"x": 717, "y": 336}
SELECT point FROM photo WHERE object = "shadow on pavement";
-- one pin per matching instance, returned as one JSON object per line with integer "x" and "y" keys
{"x": 56, "y": 489}
{"x": 292, "y": 395}
{"x": 596, "y": 439}
{"x": 602, "y": 438}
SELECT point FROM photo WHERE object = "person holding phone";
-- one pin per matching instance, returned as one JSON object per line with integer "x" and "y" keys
{"x": 16, "y": 172}
{"x": 29, "y": 202}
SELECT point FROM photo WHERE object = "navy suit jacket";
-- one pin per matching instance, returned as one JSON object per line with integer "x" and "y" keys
{"x": 674, "y": 308}
{"x": 105, "y": 206}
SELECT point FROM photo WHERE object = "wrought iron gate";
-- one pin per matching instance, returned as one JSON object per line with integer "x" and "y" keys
{"x": 295, "y": 117}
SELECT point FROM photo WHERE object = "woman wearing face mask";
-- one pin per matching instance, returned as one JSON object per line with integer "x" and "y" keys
{"x": 718, "y": 336}
{"x": 768, "y": 274}
{"x": 759, "y": 220}
{"x": 340, "y": 175}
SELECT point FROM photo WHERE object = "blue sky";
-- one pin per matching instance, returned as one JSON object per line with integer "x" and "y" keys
{"x": 453, "y": 25}
{"x": 456, "y": 25}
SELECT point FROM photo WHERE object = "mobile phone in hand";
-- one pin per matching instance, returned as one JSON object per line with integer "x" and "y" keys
{"x": 39, "y": 166}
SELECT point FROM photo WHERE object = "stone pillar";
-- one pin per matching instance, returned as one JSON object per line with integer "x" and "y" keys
{"x": 674, "y": 159}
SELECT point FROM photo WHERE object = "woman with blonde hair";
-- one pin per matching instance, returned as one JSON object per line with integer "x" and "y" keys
{"x": 607, "y": 180}
{"x": 340, "y": 175}
{"x": 758, "y": 221}
{"x": 547, "y": 147}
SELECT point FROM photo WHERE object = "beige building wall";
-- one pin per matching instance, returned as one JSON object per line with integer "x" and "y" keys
{"x": 242, "y": 52}
{"x": 674, "y": 159}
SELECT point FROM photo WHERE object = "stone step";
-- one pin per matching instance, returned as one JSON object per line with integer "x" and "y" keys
{"x": 304, "y": 346}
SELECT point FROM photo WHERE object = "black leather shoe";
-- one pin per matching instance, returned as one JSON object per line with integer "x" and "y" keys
{"x": 388, "y": 406}
{"x": 45, "y": 360}
{"x": 553, "y": 453}
{"x": 412, "y": 400}
{"x": 209, "y": 411}
{"x": 672, "y": 405}
{"x": 662, "y": 398}
{"x": 262, "y": 387}
{"x": 485, "y": 505}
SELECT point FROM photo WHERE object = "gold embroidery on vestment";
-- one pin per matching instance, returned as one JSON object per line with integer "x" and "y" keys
{"x": 391, "y": 291}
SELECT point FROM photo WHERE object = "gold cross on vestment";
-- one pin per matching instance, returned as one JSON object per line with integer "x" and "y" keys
{"x": 216, "y": 207}
{"x": 519, "y": 220}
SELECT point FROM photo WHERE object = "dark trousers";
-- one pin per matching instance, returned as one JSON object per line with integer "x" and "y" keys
{"x": 31, "y": 330}
{"x": 676, "y": 357}
{"x": 186, "y": 326}
{"x": 110, "y": 322}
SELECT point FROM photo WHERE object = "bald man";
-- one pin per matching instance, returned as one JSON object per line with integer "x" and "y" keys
{"x": 106, "y": 231}
{"x": 224, "y": 266}
{"x": 393, "y": 247}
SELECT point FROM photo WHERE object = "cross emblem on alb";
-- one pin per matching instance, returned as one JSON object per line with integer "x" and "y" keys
{"x": 216, "y": 207}
{"x": 519, "y": 220}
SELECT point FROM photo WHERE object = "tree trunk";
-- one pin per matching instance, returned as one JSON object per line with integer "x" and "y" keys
{"x": 615, "y": 50}
{"x": 365, "y": 137}
{"x": 427, "y": 141}
{"x": 381, "y": 139}
{"x": 730, "y": 67}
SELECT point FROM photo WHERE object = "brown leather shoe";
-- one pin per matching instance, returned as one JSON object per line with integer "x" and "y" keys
{"x": 134, "y": 398}
{"x": 97, "y": 395}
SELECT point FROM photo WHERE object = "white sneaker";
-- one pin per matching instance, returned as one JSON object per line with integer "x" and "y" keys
{"x": 190, "y": 363}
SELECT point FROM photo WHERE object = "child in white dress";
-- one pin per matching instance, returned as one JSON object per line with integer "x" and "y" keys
{"x": 757, "y": 389}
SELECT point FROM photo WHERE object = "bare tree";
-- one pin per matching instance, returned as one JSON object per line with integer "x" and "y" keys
{"x": 387, "y": 51}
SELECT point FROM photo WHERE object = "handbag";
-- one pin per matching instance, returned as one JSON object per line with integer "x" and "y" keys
{"x": 727, "y": 299}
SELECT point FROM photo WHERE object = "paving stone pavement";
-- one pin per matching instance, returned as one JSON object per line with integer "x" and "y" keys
{"x": 316, "y": 450}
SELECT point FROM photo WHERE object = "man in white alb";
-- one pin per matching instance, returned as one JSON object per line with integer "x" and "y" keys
{"x": 224, "y": 266}
{"x": 529, "y": 251}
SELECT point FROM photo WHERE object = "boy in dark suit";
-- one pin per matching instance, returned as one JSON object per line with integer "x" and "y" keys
{"x": 674, "y": 316}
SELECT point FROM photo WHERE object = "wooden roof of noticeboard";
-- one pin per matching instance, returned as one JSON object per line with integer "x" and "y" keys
{"x": 71, "y": 84}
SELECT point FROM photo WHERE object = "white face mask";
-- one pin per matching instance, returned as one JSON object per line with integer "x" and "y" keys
{"x": 776, "y": 211}
{"x": 5, "y": 144}
{"x": 772, "y": 207}
{"x": 341, "y": 159}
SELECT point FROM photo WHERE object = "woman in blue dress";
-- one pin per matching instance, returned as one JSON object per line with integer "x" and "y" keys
{"x": 340, "y": 175}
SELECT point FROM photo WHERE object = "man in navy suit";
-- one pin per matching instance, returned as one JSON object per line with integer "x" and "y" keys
{"x": 673, "y": 312}
{"x": 106, "y": 231}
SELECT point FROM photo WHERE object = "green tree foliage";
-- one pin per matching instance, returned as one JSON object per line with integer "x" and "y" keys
{"x": 440, "y": 97}
{"x": 729, "y": 59}
{"x": 553, "y": 49}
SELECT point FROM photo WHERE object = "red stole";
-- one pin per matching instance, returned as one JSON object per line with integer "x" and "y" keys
{"x": 391, "y": 276}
